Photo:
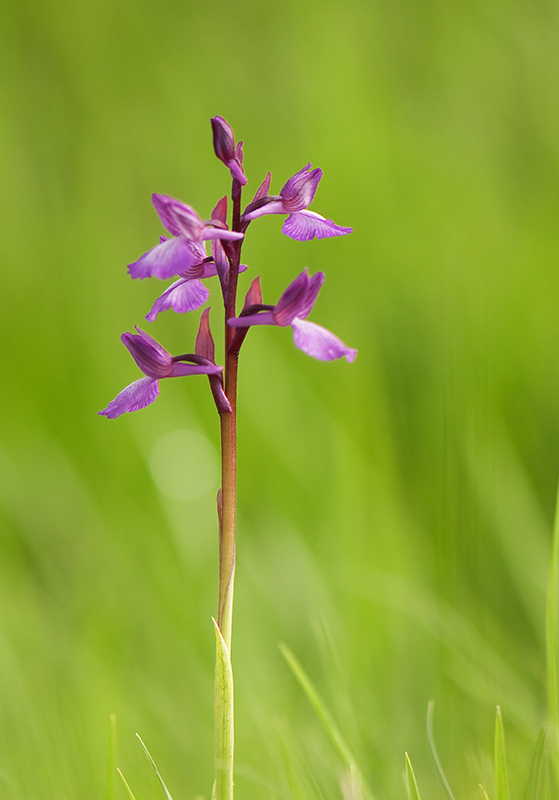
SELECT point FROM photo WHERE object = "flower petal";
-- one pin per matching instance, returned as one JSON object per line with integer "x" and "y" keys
{"x": 178, "y": 217}
{"x": 313, "y": 288}
{"x": 316, "y": 341}
{"x": 138, "y": 395}
{"x": 168, "y": 259}
{"x": 292, "y": 300}
{"x": 182, "y": 296}
{"x": 305, "y": 225}
{"x": 149, "y": 355}
{"x": 300, "y": 189}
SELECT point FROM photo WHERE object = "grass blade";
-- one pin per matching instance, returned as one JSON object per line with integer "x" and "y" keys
{"x": 539, "y": 760}
{"x": 431, "y": 739}
{"x": 501, "y": 777}
{"x": 413, "y": 791}
{"x": 325, "y": 716}
{"x": 551, "y": 634}
{"x": 128, "y": 789}
{"x": 153, "y": 764}
{"x": 111, "y": 765}
{"x": 484, "y": 793}
{"x": 541, "y": 780}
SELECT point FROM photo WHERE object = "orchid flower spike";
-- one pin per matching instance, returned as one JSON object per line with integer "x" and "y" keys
{"x": 156, "y": 363}
{"x": 224, "y": 146}
{"x": 294, "y": 199}
{"x": 292, "y": 309}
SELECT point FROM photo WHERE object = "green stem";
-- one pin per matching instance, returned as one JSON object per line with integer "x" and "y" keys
{"x": 223, "y": 692}
{"x": 228, "y": 506}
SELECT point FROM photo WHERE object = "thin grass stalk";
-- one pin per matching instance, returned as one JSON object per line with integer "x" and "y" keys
{"x": 552, "y": 632}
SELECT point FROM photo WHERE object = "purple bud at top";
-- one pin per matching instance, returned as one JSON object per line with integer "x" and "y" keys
{"x": 225, "y": 150}
{"x": 224, "y": 139}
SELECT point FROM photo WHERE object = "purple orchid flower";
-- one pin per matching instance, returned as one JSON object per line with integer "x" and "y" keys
{"x": 182, "y": 255}
{"x": 175, "y": 256}
{"x": 156, "y": 363}
{"x": 292, "y": 309}
{"x": 294, "y": 199}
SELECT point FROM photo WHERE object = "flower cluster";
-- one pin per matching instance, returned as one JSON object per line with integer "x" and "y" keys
{"x": 182, "y": 255}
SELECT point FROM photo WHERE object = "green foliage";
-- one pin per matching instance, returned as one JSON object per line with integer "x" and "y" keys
{"x": 406, "y": 500}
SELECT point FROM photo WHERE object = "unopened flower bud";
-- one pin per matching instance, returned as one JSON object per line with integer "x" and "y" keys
{"x": 224, "y": 140}
{"x": 224, "y": 146}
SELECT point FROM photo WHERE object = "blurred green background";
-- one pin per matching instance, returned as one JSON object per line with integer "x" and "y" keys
{"x": 394, "y": 514}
